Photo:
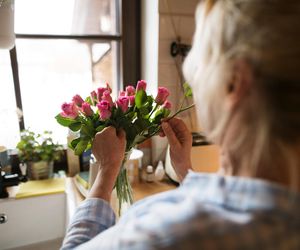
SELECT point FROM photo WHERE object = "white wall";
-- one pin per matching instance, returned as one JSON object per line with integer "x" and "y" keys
{"x": 163, "y": 21}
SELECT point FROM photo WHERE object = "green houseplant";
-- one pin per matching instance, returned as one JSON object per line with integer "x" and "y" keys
{"x": 39, "y": 152}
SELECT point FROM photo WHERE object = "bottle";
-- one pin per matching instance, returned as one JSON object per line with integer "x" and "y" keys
{"x": 159, "y": 171}
{"x": 150, "y": 174}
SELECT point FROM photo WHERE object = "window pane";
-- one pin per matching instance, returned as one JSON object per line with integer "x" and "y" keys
{"x": 66, "y": 17}
{"x": 53, "y": 71}
{"x": 9, "y": 124}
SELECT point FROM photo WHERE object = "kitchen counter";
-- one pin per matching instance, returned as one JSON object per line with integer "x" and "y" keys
{"x": 140, "y": 191}
{"x": 34, "y": 219}
{"x": 31, "y": 218}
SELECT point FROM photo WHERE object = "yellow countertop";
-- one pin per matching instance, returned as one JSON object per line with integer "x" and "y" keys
{"x": 41, "y": 187}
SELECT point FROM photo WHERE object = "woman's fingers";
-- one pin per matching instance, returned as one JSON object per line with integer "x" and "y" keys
{"x": 168, "y": 131}
{"x": 178, "y": 125}
{"x": 180, "y": 129}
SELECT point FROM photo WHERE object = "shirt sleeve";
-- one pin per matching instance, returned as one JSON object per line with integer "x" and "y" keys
{"x": 92, "y": 217}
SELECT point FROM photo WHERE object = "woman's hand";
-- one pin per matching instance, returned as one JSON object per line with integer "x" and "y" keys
{"x": 180, "y": 140}
{"x": 108, "y": 148}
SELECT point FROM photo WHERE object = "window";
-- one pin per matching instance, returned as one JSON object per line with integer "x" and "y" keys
{"x": 53, "y": 71}
{"x": 63, "y": 48}
{"x": 9, "y": 124}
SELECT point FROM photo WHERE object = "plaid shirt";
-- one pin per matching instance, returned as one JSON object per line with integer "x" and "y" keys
{"x": 207, "y": 211}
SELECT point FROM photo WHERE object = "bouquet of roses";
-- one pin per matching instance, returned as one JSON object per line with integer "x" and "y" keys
{"x": 137, "y": 113}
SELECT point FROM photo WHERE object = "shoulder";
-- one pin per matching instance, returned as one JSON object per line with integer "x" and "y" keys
{"x": 210, "y": 210}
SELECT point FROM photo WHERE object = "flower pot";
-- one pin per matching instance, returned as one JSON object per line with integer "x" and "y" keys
{"x": 40, "y": 170}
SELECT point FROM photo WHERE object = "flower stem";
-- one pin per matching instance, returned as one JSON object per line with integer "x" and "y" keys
{"x": 123, "y": 187}
{"x": 180, "y": 111}
{"x": 156, "y": 105}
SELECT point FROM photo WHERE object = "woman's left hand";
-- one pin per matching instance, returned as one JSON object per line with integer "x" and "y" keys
{"x": 108, "y": 148}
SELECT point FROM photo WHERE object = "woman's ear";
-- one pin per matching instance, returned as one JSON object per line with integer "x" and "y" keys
{"x": 240, "y": 84}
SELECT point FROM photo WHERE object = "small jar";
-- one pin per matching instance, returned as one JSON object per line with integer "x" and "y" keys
{"x": 150, "y": 176}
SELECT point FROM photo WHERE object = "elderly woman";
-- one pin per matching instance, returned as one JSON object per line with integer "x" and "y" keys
{"x": 244, "y": 68}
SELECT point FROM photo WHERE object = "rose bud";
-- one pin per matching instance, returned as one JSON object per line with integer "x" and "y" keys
{"x": 94, "y": 97}
{"x": 104, "y": 110}
{"x": 122, "y": 103}
{"x": 141, "y": 85}
{"x": 69, "y": 110}
{"x": 130, "y": 90}
{"x": 107, "y": 97}
{"x": 167, "y": 105}
{"x": 100, "y": 92}
{"x": 131, "y": 100}
{"x": 86, "y": 109}
{"x": 77, "y": 100}
{"x": 122, "y": 93}
{"x": 162, "y": 95}
{"x": 108, "y": 87}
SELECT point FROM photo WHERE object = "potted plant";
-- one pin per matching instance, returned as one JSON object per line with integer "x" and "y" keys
{"x": 39, "y": 152}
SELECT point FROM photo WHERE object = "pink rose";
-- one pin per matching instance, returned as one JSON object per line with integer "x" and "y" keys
{"x": 77, "y": 100}
{"x": 108, "y": 87}
{"x": 167, "y": 105}
{"x": 86, "y": 109}
{"x": 107, "y": 97}
{"x": 104, "y": 110}
{"x": 93, "y": 96}
{"x": 100, "y": 92}
{"x": 141, "y": 85}
{"x": 162, "y": 95}
{"x": 69, "y": 110}
{"x": 122, "y": 93}
{"x": 130, "y": 90}
{"x": 131, "y": 100}
{"x": 122, "y": 103}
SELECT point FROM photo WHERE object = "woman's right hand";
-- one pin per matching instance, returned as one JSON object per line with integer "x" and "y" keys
{"x": 180, "y": 140}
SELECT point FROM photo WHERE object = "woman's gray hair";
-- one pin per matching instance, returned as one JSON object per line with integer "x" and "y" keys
{"x": 265, "y": 33}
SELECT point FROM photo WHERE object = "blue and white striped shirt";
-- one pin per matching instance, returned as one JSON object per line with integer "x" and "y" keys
{"x": 207, "y": 211}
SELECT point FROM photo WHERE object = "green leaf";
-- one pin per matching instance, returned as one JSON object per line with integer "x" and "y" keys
{"x": 187, "y": 90}
{"x": 72, "y": 145}
{"x": 142, "y": 124}
{"x": 140, "y": 98}
{"x": 89, "y": 100}
{"x": 64, "y": 121}
{"x": 144, "y": 111}
{"x": 81, "y": 146}
{"x": 158, "y": 115}
{"x": 75, "y": 126}
{"x": 87, "y": 130}
{"x": 166, "y": 113}
{"x": 100, "y": 128}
